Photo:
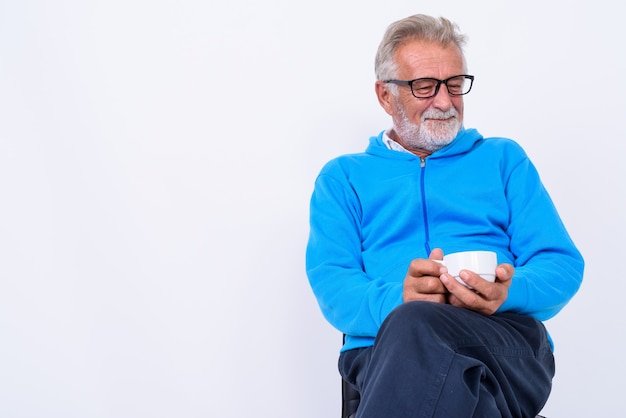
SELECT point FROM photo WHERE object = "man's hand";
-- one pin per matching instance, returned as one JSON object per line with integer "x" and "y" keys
{"x": 485, "y": 297}
{"x": 422, "y": 280}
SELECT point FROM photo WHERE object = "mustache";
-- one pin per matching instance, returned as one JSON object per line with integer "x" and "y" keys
{"x": 438, "y": 114}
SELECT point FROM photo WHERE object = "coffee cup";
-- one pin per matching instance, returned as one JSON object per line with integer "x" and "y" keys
{"x": 483, "y": 263}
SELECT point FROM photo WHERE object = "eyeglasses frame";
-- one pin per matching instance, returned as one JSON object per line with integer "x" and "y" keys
{"x": 439, "y": 83}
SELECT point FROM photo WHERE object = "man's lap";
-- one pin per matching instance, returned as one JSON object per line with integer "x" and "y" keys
{"x": 425, "y": 350}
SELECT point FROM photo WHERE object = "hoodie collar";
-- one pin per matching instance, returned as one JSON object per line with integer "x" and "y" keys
{"x": 463, "y": 142}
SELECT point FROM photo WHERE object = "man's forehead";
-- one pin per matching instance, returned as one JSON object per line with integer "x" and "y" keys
{"x": 420, "y": 56}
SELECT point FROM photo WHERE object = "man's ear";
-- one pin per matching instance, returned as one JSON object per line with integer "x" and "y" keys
{"x": 384, "y": 96}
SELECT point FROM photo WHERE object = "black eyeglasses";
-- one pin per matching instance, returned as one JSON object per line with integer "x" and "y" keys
{"x": 424, "y": 88}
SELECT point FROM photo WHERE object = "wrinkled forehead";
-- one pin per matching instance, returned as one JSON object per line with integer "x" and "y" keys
{"x": 428, "y": 59}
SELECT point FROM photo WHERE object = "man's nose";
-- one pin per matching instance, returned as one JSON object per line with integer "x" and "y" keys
{"x": 442, "y": 100}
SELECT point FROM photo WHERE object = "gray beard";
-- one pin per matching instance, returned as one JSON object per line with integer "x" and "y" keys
{"x": 429, "y": 136}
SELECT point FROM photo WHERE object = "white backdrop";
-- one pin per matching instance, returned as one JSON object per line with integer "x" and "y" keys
{"x": 156, "y": 161}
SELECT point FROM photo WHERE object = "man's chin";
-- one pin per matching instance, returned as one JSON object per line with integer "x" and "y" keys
{"x": 443, "y": 135}
{"x": 435, "y": 142}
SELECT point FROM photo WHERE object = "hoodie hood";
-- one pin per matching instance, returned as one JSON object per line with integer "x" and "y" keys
{"x": 464, "y": 141}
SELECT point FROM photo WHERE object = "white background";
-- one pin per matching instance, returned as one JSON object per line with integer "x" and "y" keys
{"x": 156, "y": 161}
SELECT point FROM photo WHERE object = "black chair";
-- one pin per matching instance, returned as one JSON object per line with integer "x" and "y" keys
{"x": 350, "y": 398}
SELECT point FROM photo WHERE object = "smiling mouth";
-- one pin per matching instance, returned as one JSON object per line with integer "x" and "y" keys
{"x": 440, "y": 120}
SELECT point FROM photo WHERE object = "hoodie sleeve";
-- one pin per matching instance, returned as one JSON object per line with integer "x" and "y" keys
{"x": 548, "y": 267}
{"x": 351, "y": 300}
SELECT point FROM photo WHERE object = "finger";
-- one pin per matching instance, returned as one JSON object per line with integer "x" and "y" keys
{"x": 436, "y": 254}
{"x": 423, "y": 267}
{"x": 477, "y": 283}
{"x": 488, "y": 292}
{"x": 452, "y": 283}
{"x": 504, "y": 272}
{"x": 429, "y": 285}
{"x": 484, "y": 297}
{"x": 461, "y": 295}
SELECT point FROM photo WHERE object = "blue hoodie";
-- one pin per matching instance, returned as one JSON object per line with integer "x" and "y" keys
{"x": 372, "y": 213}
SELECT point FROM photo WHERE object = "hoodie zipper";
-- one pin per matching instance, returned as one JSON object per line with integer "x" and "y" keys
{"x": 424, "y": 211}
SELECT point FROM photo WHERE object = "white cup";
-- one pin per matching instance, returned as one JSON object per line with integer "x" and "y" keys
{"x": 483, "y": 263}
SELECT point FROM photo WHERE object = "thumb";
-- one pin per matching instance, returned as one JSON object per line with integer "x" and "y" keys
{"x": 436, "y": 254}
